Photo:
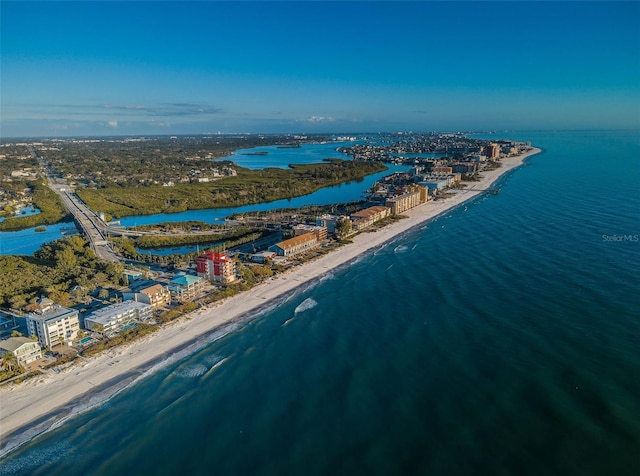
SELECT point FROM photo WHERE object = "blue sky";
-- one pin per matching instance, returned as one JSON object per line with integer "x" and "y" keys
{"x": 118, "y": 68}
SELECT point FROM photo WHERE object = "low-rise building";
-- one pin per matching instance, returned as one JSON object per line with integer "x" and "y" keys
{"x": 319, "y": 230}
{"x": 262, "y": 256}
{"x": 441, "y": 169}
{"x": 158, "y": 295}
{"x": 185, "y": 287}
{"x": 26, "y": 350}
{"x": 465, "y": 167}
{"x": 329, "y": 222}
{"x": 217, "y": 267}
{"x": 367, "y": 217}
{"x": 53, "y": 324}
{"x": 113, "y": 319}
{"x": 295, "y": 245}
{"x": 132, "y": 275}
{"x": 434, "y": 185}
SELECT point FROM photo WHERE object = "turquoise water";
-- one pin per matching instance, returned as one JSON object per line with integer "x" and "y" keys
{"x": 282, "y": 157}
{"x": 27, "y": 242}
{"x": 344, "y": 193}
{"x": 501, "y": 338}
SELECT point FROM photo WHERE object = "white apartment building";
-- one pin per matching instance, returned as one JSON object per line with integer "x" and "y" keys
{"x": 53, "y": 324}
{"x": 111, "y": 320}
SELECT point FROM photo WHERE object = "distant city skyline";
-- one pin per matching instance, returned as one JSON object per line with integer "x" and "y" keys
{"x": 147, "y": 68}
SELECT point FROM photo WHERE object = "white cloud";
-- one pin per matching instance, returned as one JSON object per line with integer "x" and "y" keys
{"x": 316, "y": 119}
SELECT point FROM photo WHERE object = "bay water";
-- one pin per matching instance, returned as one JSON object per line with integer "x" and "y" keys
{"x": 501, "y": 338}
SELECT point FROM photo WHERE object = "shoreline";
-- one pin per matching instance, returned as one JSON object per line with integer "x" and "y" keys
{"x": 47, "y": 401}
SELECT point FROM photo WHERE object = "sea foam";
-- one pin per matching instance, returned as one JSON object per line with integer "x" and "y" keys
{"x": 307, "y": 304}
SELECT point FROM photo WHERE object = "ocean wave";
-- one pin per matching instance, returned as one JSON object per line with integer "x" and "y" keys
{"x": 216, "y": 366}
{"x": 307, "y": 304}
{"x": 213, "y": 359}
{"x": 287, "y": 322}
{"x": 191, "y": 371}
{"x": 328, "y": 277}
{"x": 35, "y": 459}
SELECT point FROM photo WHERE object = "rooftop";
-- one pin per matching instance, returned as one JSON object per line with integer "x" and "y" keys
{"x": 14, "y": 343}
{"x": 155, "y": 289}
{"x": 53, "y": 312}
{"x": 185, "y": 280}
{"x": 297, "y": 240}
{"x": 102, "y": 316}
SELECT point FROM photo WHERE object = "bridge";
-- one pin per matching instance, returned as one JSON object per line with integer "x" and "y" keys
{"x": 86, "y": 220}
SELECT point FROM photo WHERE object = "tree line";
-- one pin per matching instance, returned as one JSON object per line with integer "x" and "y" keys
{"x": 248, "y": 187}
{"x": 65, "y": 270}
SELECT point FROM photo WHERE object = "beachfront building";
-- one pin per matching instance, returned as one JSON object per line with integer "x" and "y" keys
{"x": 25, "y": 350}
{"x": 295, "y": 245}
{"x": 492, "y": 150}
{"x": 367, "y": 217}
{"x": 217, "y": 267}
{"x": 434, "y": 185}
{"x": 115, "y": 318}
{"x": 401, "y": 203}
{"x": 464, "y": 167}
{"x": 318, "y": 230}
{"x": 185, "y": 288}
{"x": 263, "y": 256}
{"x": 157, "y": 296}
{"x": 328, "y": 221}
{"x": 53, "y": 324}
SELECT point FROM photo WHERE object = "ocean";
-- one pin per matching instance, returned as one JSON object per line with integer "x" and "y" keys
{"x": 500, "y": 339}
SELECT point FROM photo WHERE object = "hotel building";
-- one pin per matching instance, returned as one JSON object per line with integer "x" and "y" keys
{"x": 217, "y": 267}
{"x": 401, "y": 203}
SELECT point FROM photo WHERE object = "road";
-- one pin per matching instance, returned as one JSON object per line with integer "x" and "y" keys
{"x": 94, "y": 228}
{"x": 90, "y": 223}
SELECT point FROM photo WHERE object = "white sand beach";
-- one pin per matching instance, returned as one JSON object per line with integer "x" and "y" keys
{"x": 29, "y": 408}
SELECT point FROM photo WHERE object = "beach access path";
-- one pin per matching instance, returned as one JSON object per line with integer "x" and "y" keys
{"x": 33, "y": 406}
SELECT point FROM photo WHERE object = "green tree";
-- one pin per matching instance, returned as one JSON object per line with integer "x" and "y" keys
{"x": 8, "y": 361}
{"x": 66, "y": 259}
{"x": 343, "y": 226}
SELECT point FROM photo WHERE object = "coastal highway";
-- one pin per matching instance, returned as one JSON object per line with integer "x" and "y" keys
{"x": 91, "y": 225}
